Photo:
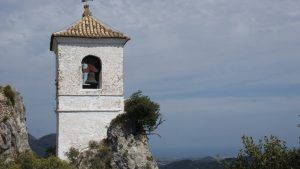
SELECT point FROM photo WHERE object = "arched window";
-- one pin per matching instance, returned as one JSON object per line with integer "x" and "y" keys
{"x": 91, "y": 72}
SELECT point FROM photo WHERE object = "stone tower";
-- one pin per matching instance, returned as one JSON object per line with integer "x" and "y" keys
{"x": 89, "y": 81}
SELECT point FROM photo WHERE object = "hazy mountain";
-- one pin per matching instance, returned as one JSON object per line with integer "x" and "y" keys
{"x": 202, "y": 163}
{"x": 39, "y": 146}
{"x": 48, "y": 140}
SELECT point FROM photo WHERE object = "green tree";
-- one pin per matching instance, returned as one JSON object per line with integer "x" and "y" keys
{"x": 142, "y": 113}
{"x": 269, "y": 153}
{"x": 72, "y": 155}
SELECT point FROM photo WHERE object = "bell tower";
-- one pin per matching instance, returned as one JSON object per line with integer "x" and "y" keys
{"x": 89, "y": 81}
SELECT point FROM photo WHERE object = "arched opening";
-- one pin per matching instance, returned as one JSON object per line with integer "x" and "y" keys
{"x": 91, "y": 72}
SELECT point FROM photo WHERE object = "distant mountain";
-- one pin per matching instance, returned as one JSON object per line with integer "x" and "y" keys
{"x": 40, "y": 146}
{"x": 48, "y": 140}
{"x": 202, "y": 163}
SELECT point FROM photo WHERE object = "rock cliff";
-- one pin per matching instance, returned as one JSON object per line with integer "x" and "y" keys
{"x": 129, "y": 150}
{"x": 13, "y": 130}
{"x": 120, "y": 150}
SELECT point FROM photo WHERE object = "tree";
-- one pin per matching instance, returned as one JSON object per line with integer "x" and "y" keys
{"x": 141, "y": 113}
{"x": 72, "y": 155}
{"x": 269, "y": 153}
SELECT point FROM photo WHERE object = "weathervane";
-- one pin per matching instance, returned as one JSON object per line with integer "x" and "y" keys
{"x": 86, "y": 1}
{"x": 87, "y": 11}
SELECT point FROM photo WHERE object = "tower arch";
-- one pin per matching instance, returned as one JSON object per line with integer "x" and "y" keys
{"x": 91, "y": 72}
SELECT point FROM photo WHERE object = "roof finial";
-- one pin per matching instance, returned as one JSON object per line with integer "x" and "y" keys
{"x": 87, "y": 11}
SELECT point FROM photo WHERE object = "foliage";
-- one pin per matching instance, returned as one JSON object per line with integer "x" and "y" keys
{"x": 29, "y": 160}
{"x": 72, "y": 155}
{"x": 102, "y": 159}
{"x": 2, "y": 164}
{"x": 142, "y": 113}
{"x": 50, "y": 151}
{"x": 270, "y": 153}
{"x": 93, "y": 145}
{"x": 10, "y": 94}
{"x": 97, "y": 156}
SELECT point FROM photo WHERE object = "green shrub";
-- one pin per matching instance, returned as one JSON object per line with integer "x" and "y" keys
{"x": 98, "y": 156}
{"x": 29, "y": 160}
{"x": 10, "y": 94}
{"x": 142, "y": 113}
{"x": 93, "y": 145}
{"x": 270, "y": 153}
{"x": 149, "y": 158}
{"x": 102, "y": 159}
{"x": 72, "y": 155}
{"x": 2, "y": 164}
{"x": 55, "y": 163}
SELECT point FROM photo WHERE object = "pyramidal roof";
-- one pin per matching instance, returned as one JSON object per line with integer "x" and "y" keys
{"x": 89, "y": 27}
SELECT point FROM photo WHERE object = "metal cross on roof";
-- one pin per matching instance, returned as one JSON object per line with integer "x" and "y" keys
{"x": 86, "y": 1}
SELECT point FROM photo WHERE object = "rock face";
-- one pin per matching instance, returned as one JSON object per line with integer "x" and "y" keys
{"x": 13, "y": 131}
{"x": 120, "y": 150}
{"x": 128, "y": 150}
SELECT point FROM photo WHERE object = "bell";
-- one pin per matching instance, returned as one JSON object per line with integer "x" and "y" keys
{"x": 91, "y": 79}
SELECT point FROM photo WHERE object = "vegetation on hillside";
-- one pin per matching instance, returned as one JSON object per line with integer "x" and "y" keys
{"x": 10, "y": 94}
{"x": 269, "y": 153}
{"x": 102, "y": 158}
{"x": 97, "y": 156}
{"x": 29, "y": 160}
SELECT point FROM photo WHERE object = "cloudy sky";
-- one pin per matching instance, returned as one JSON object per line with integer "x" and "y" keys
{"x": 218, "y": 68}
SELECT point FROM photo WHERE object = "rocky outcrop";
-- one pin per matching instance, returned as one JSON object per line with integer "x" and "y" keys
{"x": 120, "y": 150}
{"x": 129, "y": 150}
{"x": 13, "y": 130}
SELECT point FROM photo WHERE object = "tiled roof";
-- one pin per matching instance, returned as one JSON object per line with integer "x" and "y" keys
{"x": 89, "y": 27}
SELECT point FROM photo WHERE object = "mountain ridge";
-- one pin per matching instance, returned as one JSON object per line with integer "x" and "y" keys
{"x": 40, "y": 145}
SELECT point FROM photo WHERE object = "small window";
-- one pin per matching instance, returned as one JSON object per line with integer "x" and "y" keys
{"x": 91, "y": 72}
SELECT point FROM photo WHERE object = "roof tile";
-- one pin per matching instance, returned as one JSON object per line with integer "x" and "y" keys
{"x": 89, "y": 27}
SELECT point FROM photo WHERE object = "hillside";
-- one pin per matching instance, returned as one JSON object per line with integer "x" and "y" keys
{"x": 202, "y": 163}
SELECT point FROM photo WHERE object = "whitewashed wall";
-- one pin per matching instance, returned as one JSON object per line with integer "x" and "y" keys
{"x": 90, "y": 103}
{"x": 84, "y": 114}
{"x": 76, "y": 129}
{"x": 70, "y": 54}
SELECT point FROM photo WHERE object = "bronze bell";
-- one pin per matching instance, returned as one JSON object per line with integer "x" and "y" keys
{"x": 91, "y": 79}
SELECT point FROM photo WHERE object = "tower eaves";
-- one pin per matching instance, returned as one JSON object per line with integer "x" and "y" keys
{"x": 88, "y": 27}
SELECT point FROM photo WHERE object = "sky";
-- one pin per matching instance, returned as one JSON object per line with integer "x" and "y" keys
{"x": 219, "y": 69}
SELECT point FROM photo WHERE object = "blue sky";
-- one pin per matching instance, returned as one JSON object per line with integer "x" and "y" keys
{"x": 218, "y": 68}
